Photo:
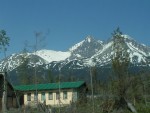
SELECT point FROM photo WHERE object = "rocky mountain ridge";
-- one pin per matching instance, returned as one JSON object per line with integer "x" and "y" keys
{"x": 82, "y": 50}
{"x": 82, "y": 55}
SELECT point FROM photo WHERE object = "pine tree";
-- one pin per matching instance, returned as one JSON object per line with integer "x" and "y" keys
{"x": 120, "y": 65}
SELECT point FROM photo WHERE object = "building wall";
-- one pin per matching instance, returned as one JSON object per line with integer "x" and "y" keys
{"x": 10, "y": 93}
{"x": 28, "y": 102}
{"x": 54, "y": 101}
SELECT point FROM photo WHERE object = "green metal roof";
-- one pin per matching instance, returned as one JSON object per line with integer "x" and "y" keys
{"x": 49, "y": 86}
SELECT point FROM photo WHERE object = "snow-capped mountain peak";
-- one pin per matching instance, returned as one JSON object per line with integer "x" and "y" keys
{"x": 85, "y": 48}
{"x": 137, "y": 52}
{"x": 50, "y": 55}
{"x": 39, "y": 58}
{"x": 89, "y": 39}
{"x": 76, "y": 46}
{"x": 83, "y": 54}
{"x": 127, "y": 37}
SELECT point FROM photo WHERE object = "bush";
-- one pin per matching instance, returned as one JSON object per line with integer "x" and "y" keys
{"x": 142, "y": 108}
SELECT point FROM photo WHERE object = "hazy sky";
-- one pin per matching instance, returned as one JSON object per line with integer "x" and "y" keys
{"x": 67, "y": 22}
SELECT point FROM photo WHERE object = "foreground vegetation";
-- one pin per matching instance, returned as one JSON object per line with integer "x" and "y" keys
{"x": 100, "y": 106}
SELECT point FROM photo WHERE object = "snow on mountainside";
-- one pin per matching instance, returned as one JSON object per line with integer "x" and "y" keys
{"x": 10, "y": 63}
{"x": 138, "y": 52}
{"x": 16, "y": 60}
{"x": 41, "y": 57}
{"x": 85, "y": 48}
{"x": 103, "y": 56}
{"x": 50, "y": 55}
{"x": 84, "y": 54}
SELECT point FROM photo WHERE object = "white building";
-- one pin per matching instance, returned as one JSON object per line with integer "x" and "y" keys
{"x": 54, "y": 94}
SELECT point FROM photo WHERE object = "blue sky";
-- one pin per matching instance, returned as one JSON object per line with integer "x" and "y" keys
{"x": 67, "y": 22}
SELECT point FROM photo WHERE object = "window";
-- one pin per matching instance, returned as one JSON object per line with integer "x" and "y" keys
{"x": 28, "y": 96}
{"x": 65, "y": 95}
{"x": 42, "y": 96}
{"x": 50, "y": 96}
{"x": 57, "y": 96}
{"x": 35, "y": 96}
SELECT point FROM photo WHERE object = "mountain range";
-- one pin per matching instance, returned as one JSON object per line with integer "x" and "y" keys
{"x": 79, "y": 58}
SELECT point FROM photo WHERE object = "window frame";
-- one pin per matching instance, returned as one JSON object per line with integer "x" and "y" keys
{"x": 35, "y": 96}
{"x": 65, "y": 95}
{"x": 28, "y": 96}
{"x": 57, "y": 96}
{"x": 43, "y": 97}
{"x": 50, "y": 96}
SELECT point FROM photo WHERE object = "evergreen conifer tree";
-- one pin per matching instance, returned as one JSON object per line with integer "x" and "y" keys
{"x": 120, "y": 65}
